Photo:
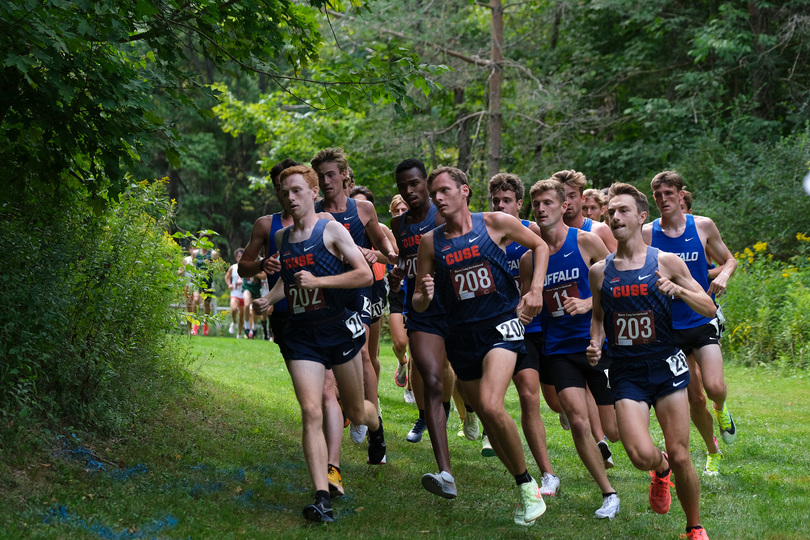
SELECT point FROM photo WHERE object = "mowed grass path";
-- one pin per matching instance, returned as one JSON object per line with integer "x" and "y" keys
{"x": 223, "y": 460}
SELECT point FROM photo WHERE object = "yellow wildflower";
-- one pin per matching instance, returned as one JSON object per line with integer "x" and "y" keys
{"x": 801, "y": 237}
{"x": 760, "y": 246}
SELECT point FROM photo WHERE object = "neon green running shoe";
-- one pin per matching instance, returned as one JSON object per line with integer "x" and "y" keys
{"x": 713, "y": 464}
{"x": 728, "y": 430}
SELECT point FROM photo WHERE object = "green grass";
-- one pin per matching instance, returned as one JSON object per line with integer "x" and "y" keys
{"x": 223, "y": 460}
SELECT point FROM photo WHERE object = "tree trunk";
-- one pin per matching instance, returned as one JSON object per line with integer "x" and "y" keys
{"x": 495, "y": 120}
{"x": 464, "y": 147}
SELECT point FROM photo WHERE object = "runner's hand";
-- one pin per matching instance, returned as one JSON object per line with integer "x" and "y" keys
{"x": 305, "y": 280}
{"x": 395, "y": 276}
{"x": 427, "y": 286}
{"x": 666, "y": 287}
{"x": 594, "y": 353}
{"x": 261, "y": 305}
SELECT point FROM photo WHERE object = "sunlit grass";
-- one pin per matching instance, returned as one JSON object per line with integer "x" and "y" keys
{"x": 224, "y": 461}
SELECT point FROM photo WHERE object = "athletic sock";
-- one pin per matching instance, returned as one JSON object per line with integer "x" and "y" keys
{"x": 421, "y": 414}
{"x": 468, "y": 408}
{"x": 446, "y": 409}
{"x": 690, "y": 529}
{"x": 663, "y": 474}
{"x": 323, "y": 496}
{"x": 523, "y": 478}
{"x": 604, "y": 495}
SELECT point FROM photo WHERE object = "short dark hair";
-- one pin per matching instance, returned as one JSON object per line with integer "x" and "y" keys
{"x": 280, "y": 166}
{"x": 457, "y": 175}
{"x": 618, "y": 188}
{"x": 670, "y": 178}
{"x": 409, "y": 164}
{"x": 362, "y": 190}
{"x": 507, "y": 182}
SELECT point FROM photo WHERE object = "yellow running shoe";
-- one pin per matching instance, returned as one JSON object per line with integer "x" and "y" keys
{"x": 728, "y": 430}
{"x": 713, "y": 464}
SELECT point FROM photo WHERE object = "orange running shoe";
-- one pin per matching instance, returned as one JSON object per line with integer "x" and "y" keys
{"x": 696, "y": 534}
{"x": 660, "y": 497}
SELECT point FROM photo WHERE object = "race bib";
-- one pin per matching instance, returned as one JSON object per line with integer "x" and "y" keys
{"x": 511, "y": 330}
{"x": 633, "y": 327}
{"x": 304, "y": 300}
{"x": 472, "y": 281}
{"x": 410, "y": 266}
{"x": 377, "y": 309}
{"x": 355, "y": 326}
{"x": 553, "y": 297}
{"x": 677, "y": 363}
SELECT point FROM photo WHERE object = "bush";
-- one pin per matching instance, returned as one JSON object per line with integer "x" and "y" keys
{"x": 767, "y": 308}
{"x": 87, "y": 314}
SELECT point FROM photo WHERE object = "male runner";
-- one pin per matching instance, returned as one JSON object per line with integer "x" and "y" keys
{"x": 696, "y": 240}
{"x": 427, "y": 329}
{"x": 574, "y": 183}
{"x": 506, "y": 195}
{"x": 203, "y": 257}
{"x": 360, "y": 219}
{"x": 315, "y": 254}
{"x": 263, "y": 238}
{"x": 566, "y": 319}
{"x": 632, "y": 306}
{"x": 593, "y": 204}
{"x": 234, "y": 283}
{"x": 472, "y": 277}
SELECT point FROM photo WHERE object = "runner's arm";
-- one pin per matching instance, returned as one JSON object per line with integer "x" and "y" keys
{"x": 595, "y": 277}
{"x": 674, "y": 279}
{"x": 425, "y": 268}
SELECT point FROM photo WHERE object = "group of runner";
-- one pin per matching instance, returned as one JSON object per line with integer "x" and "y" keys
{"x": 606, "y": 320}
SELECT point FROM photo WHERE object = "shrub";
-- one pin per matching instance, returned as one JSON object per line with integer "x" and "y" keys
{"x": 87, "y": 310}
{"x": 767, "y": 308}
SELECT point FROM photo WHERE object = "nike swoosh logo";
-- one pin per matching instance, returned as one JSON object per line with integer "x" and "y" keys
{"x": 423, "y": 228}
{"x": 688, "y": 239}
{"x": 677, "y": 383}
{"x": 348, "y": 352}
{"x": 347, "y": 218}
{"x": 471, "y": 240}
{"x": 567, "y": 254}
{"x": 308, "y": 248}
{"x": 640, "y": 278}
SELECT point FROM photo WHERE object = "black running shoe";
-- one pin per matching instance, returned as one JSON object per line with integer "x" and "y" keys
{"x": 376, "y": 446}
{"x": 320, "y": 511}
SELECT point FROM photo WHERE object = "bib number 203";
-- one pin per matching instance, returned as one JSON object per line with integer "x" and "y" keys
{"x": 511, "y": 330}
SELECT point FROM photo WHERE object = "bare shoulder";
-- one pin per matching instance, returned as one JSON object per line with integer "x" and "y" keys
{"x": 705, "y": 224}
{"x": 325, "y": 215}
{"x": 597, "y": 270}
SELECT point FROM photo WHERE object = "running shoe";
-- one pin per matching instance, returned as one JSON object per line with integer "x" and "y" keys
{"x": 549, "y": 485}
{"x": 376, "y": 445}
{"x": 606, "y": 455}
{"x": 266, "y": 336}
{"x": 195, "y": 328}
{"x": 471, "y": 427}
{"x": 335, "y": 482}
{"x": 357, "y": 433}
{"x": 205, "y": 329}
{"x": 409, "y": 397}
{"x": 441, "y": 484}
{"x": 728, "y": 430}
{"x": 696, "y": 534}
{"x": 610, "y": 507}
{"x": 321, "y": 512}
{"x": 415, "y": 434}
{"x": 232, "y": 328}
{"x": 660, "y": 496}
{"x": 486, "y": 447}
{"x": 401, "y": 375}
{"x": 531, "y": 505}
{"x": 564, "y": 422}
{"x": 713, "y": 464}
{"x": 460, "y": 432}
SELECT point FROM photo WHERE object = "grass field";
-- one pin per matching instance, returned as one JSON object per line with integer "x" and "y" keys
{"x": 223, "y": 460}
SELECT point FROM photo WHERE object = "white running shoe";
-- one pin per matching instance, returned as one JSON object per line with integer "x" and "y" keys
{"x": 441, "y": 484}
{"x": 610, "y": 507}
{"x": 409, "y": 397}
{"x": 357, "y": 433}
{"x": 486, "y": 447}
{"x": 415, "y": 434}
{"x": 549, "y": 485}
{"x": 531, "y": 505}
{"x": 232, "y": 328}
{"x": 471, "y": 428}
